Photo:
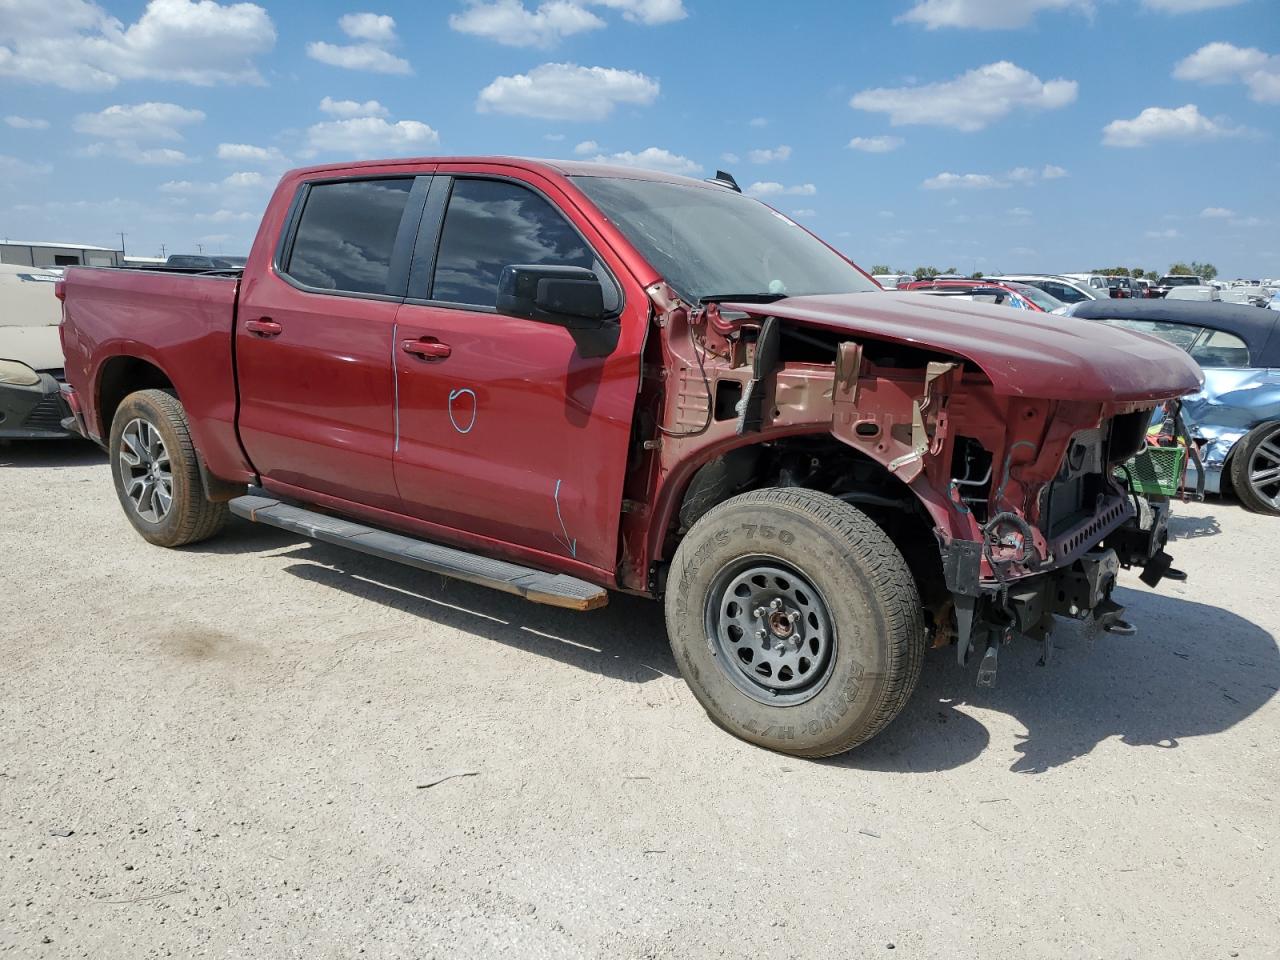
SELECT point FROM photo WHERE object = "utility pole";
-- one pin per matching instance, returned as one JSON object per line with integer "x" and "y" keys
{"x": 122, "y": 243}
{"x": 199, "y": 248}
{"x": 162, "y": 251}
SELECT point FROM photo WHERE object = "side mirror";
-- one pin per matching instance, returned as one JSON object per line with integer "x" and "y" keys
{"x": 570, "y": 297}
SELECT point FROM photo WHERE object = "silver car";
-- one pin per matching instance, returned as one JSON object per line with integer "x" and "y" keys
{"x": 1235, "y": 419}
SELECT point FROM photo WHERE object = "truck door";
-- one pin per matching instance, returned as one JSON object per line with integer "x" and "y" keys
{"x": 314, "y": 339}
{"x": 507, "y": 429}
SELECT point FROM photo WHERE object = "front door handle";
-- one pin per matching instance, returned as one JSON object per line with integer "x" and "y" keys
{"x": 427, "y": 348}
{"x": 264, "y": 327}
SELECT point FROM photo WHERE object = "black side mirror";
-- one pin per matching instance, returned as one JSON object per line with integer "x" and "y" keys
{"x": 570, "y": 297}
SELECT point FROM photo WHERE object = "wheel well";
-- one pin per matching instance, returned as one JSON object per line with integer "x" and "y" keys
{"x": 825, "y": 464}
{"x": 120, "y": 377}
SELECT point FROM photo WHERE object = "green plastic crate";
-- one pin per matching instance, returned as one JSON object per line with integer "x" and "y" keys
{"x": 1158, "y": 470}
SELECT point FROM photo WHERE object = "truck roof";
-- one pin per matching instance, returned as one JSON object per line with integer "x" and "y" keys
{"x": 566, "y": 168}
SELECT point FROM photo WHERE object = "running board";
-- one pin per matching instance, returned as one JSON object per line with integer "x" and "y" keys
{"x": 554, "y": 589}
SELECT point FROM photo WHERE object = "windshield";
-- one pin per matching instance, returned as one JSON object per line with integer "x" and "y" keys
{"x": 1179, "y": 281}
{"x": 1045, "y": 301}
{"x": 708, "y": 242}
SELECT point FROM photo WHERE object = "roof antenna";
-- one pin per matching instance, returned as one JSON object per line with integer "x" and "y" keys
{"x": 725, "y": 180}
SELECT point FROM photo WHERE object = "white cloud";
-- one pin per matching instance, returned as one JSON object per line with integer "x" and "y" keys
{"x": 1249, "y": 222}
{"x": 509, "y": 22}
{"x": 986, "y": 14}
{"x": 730, "y": 158}
{"x": 358, "y": 56}
{"x": 1226, "y": 63}
{"x": 963, "y": 181}
{"x": 241, "y": 181}
{"x": 77, "y": 45}
{"x": 886, "y": 214}
{"x": 362, "y": 138}
{"x": 1019, "y": 213}
{"x": 1217, "y": 213}
{"x": 375, "y": 32}
{"x": 1165, "y": 123}
{"x": 971, "y": 101}
{"x": 553, "y": 137}
{"x": 248, "y": 153}
{"x": 876, "y": 144}
{"x": 138, "y": 121}
{"x": 226, "y": 216}
{"x": 130, "y": 150}
{"x": 27, "y": 123}
{"x": 1187, "y": 6}
{"x": 352, "y": 108}
{"x": 15, "y": 167}
{"x": 648, "y": 12}
{"x": 566, "y": 91}
{"x": 758, "y": 122}
{"x": 1169, "y": 234}
{"x": 376, "y": 28}
{"x": 771, "y": 188}
{"x": 652, "y": 158}
{"x": 804, "y": 212}
{"x": 1053, "y": 172}
{"x": 777, "y": 154}
{"x": 586, "y": 147}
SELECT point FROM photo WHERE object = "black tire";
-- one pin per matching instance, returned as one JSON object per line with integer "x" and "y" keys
{"x": 1258, "y": 452}
{"x": 189, "y": 516}
{"x": 877, "y": 628}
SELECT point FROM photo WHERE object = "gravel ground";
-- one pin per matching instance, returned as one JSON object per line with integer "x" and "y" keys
{"x": 226, "y": 751}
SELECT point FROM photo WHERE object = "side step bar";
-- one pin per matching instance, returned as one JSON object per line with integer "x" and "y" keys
{"x": 554, "y": 589}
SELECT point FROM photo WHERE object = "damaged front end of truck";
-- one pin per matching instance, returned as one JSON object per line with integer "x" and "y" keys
{"x": 990, "y": 449}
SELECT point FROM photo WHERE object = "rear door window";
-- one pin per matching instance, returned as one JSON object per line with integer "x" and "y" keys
{"x": 491, "y": 224}
{"x": 1178, "y": 334}
{"x": 1217, "y": 348}
{"x": 347, "y": 233}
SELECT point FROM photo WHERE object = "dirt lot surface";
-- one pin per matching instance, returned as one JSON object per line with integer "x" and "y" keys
{"x": 227, "y": 751}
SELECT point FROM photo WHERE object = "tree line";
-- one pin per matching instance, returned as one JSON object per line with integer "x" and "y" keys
{"x": 1206, "y": 270}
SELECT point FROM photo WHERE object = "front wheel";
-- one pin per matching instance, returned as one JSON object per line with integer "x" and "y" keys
{"x": 1255, "y": 469}
{"x": 157, "y": 478}
{"x": 795, "y": 621}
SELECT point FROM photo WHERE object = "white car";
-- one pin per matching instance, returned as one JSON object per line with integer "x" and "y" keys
{"x": 1068, "y": 291}
{"x": 890, "y": 281}
{"x": 1094, "y": 281}
{"x": 31, "y": 405}
{"x": 1203, "y": 292}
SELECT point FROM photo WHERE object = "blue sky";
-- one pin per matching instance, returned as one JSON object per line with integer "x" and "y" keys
{"x": 1053, "y": 135}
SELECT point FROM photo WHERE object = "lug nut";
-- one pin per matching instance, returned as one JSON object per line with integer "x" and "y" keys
{"x": 775, "y": 605}
{"x": 759, "y": 612}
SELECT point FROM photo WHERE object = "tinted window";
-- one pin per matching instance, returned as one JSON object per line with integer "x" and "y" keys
{"x": 1178, "y": 334}
{"x": 1220, "y": 349}
{"x": 1063, "y": 292}
{"x": 346, "y": 235}
{"x": 708, "y": 241}
{"x": 491, "y": 224}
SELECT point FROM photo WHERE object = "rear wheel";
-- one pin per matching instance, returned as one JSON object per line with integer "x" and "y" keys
{"x": 1255, "y": 469}
{"x": 157, "y": 477}
{"x": 795, "y": 621}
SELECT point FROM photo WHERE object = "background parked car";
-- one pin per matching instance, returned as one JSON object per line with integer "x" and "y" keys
{"x": 30, "y": 354}
{"x": 1002, "y": 293}
{"x": 891, "y": 281}
{"x": 1122, "y": 288}
{"x": 1235, "y": 419}
{"x": 1094, "y": 281}
{"x": 1060, "y": 288}
{"x": 1145, "y": 287}
{"x": 1204, "y": 293}
{"x": 1171, "y": 280}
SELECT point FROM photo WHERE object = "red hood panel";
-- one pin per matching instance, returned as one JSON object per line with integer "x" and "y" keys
{"x": 1023, "y": 352}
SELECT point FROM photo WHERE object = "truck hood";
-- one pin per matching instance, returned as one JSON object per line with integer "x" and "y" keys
{"x": 1023, "y": 353}
{"x": 37, "y": 347}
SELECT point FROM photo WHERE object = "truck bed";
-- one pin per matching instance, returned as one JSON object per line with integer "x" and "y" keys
{"x": 182, "y": 324}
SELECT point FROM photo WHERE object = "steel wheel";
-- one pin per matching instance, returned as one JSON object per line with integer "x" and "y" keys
{"x": 771, "y": 630}
{"x": 145, "y": 470}
{"x": 1264, "y": 469}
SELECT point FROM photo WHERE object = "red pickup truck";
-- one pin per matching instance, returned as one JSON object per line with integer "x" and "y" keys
{"x": 559, "y": 379}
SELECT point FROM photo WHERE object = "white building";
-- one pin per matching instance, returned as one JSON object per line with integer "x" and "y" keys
{"x": 26, "y": 253}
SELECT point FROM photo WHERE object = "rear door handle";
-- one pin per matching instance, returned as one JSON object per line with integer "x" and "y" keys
{"x": 264, "y": 327}
{"x": 427, "y": 348}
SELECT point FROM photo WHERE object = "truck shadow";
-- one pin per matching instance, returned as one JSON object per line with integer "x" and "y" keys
{"x": 1184, "y": 527}
{"x": 625, "y": 640}
{"x": 71, "y": 452}
{"x": 1192, "y": 670}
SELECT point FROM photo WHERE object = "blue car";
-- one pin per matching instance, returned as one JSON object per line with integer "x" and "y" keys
{"x": 1235, "y": 419}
